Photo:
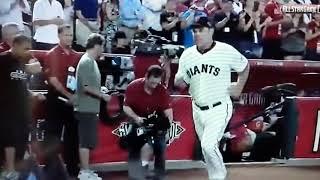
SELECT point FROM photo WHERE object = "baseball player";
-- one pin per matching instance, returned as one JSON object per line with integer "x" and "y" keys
{"x": 206, "y": 69}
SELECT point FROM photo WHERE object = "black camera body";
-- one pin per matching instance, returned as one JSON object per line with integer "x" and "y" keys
{"x": 172, "y": 51}
{"x": 156, "y": 45}
{"x": 154, "y": 125}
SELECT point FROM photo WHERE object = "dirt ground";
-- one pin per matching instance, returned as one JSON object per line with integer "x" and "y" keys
{"x": 238, "y": 173}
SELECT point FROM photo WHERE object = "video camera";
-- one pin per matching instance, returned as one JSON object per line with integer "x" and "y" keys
{"x": 147, "y": 44}
{"x": 155, "y": 124}
{"x": 172, "y": 51}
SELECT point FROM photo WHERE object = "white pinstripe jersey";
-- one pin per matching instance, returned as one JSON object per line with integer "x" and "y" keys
{"x": 209, "y": 74}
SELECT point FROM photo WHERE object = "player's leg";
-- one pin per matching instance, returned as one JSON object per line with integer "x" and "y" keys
{"x": 215, "y": 121}
{"x": 197, "y": 121}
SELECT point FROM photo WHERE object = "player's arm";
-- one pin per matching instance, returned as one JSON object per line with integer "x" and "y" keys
{"x": 241, "y": 65}
{"x": 181, "y": 79}
{"x": 166, "y": 105}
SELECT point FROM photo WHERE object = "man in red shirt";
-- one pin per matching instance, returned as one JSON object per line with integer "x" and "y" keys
{"x": 271, "y": 35}
{"x": 60, "y": 65}
{"x": 8, "y": 32}
{"x": 144, "y": 97}
{"x": 313, "y": 39}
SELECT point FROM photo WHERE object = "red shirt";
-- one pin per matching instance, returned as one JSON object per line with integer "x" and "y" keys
{"x": 144, "y": 104}
{"x": 312, "y": 43}
{"x": 273, "y": 10}
{"x": 58, "y": 61}
{"x": 4, "y": 47}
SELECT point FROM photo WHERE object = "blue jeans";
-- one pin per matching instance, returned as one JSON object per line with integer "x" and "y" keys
{"x": 250, "y": 50}
{"x": 135, "y": 169}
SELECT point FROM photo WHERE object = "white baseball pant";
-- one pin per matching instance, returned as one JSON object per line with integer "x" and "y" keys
{"x": 210, "y": 126}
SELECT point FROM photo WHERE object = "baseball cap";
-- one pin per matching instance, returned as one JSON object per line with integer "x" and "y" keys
{"x": 202, "y": 22}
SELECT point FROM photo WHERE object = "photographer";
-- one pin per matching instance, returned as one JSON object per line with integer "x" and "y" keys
{"x": 144, "y": 97}
{"x": 172, "y": 24}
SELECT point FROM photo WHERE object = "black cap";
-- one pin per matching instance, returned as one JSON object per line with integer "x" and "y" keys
{"x": 202, "y": 22}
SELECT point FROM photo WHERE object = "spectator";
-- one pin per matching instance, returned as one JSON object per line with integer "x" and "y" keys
{"x": 47, "y": 16}
{"x": 121, "y": 44}
{"x": 181, "y": 6}
{"x": 172, "y": 24}
{"x": 153, "y": 9}
{"x": 68, "y": 11}
{"x": 87, "y": 12}
{"x": 131, "y": 17}
{"x": 313, "y": 39}
{"x": 8, "y": 31}
{"x": 110, "y": 10}
{"x": 306, "y": 16}
{"x": 11, "y": 11}
{"x": 61, "y": 62}
{"x": 247, "y": 44}
{"x": 227, "y": 24}
{"x": 271, "y": 34}
{"x": 87, "y": 102}
{"x": 293, "y": 38}
{"x": 16, "y": 114}
{"x": 199, "y": 7}
{"x": 212, "y": 6}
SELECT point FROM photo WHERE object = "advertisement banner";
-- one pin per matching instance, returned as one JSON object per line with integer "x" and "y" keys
{"x": 181, "y": 143}
{"x": 308, "y": 135}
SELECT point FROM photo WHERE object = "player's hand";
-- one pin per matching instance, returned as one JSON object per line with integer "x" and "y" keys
{"x": 139, "y": 120}
{"x": 234, "y": 91}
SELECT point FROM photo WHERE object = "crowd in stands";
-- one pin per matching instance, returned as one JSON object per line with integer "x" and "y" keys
{"x": 257, "y": 28}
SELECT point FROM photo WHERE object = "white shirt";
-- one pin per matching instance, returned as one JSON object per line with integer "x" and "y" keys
{"x": 8, "y": 15}
{"x": 209, "y": 74}
{"x": 43, "y": 10}
{"x": 237, "y": 7}
{"x": 152, "y": 13}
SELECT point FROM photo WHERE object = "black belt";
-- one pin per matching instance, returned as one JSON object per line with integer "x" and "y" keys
{"x": 204, "y": 108}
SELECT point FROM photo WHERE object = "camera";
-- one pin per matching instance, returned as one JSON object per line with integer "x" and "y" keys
{"x": 172, "y": 51}
{"x": 147, "y": 44}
